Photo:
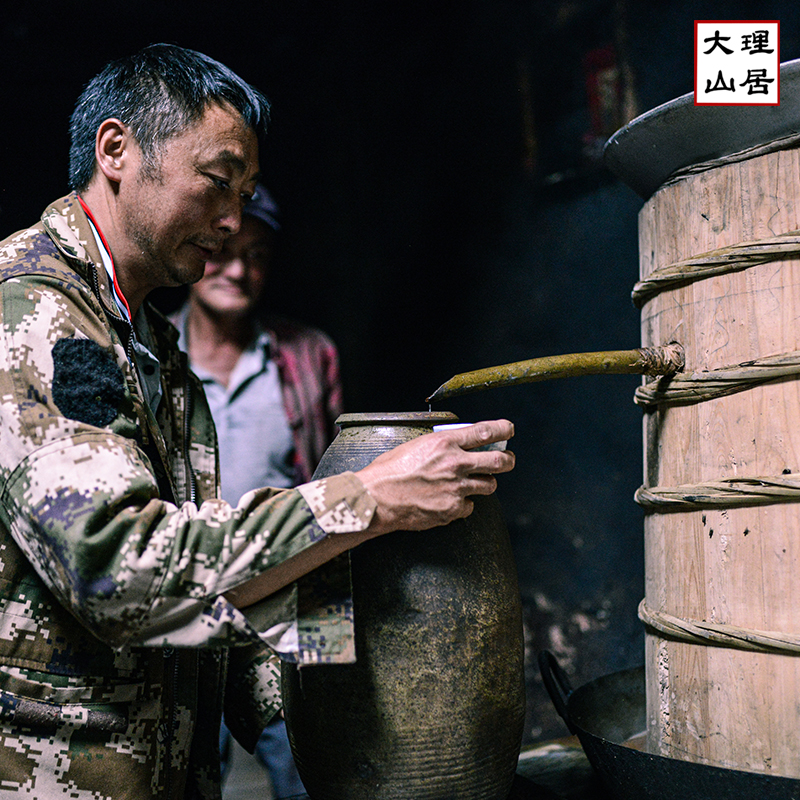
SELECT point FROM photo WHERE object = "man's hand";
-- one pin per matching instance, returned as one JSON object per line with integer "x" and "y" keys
{"x": 429, "y": 481}
{"x": 417, "y": 485}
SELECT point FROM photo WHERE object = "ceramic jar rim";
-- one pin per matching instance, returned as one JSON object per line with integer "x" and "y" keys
{"x": 426, "y": 418}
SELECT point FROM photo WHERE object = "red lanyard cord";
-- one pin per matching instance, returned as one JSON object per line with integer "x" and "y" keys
{"x": 108, "y": 250}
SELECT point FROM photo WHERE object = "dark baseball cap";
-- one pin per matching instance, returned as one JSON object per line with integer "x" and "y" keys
{"x": 263, "y": 206}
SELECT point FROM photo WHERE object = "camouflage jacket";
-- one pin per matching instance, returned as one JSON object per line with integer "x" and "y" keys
{"x": 115, "y": 639}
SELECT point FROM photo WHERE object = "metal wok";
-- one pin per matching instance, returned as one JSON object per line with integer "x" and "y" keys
{"x": 609, "y": 711}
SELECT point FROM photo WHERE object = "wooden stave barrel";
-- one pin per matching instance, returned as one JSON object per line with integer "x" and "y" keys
{"x": 728, "y": 566}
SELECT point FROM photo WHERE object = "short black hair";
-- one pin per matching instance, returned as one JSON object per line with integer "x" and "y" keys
{"x": 158, "y": 93}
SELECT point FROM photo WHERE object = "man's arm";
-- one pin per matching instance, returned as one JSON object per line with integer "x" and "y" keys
{"x": 421, "y": 484}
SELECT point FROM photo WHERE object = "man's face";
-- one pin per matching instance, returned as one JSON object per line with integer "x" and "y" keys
{"x": 234, "y": 279}
{"x": 180, "y": 218}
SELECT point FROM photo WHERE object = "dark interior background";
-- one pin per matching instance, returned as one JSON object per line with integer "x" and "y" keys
{"x": 445, "y": 209}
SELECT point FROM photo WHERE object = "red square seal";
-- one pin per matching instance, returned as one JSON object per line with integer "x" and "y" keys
{"x": 737, "y": 63}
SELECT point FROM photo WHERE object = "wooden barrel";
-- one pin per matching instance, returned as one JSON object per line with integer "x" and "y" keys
{"x": 720, "y": 273}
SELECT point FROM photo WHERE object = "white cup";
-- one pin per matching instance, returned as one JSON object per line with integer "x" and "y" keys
{"x": 452, "y": 425}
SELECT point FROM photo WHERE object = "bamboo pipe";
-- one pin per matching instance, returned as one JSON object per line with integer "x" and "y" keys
{"x": 652, "y": 361}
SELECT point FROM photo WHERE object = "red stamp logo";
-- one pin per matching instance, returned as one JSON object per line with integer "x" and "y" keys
{"x": 737, "y": 63}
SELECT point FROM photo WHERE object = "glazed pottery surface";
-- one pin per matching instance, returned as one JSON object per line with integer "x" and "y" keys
{"x": 434, "y": 706}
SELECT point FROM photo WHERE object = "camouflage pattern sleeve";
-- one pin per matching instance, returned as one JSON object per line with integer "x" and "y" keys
{"x": 80, "y": 498}
{"x": 341, "y": 503}
{"x": 252, "y": 693}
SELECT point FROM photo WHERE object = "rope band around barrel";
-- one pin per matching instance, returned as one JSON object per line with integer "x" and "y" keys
{"x": 694, "y": 387}
{"x": 733, "y": 492}
{"x": 726, "y": 259}
{"x": 787, "y": 142}
{"x": 705, "y": 633}
{"x": 733, "y": 258}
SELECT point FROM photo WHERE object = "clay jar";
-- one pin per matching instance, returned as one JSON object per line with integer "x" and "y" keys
{"x": 433, "y": 708}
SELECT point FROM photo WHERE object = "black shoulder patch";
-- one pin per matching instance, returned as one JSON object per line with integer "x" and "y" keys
{"x": 88, "y": 385}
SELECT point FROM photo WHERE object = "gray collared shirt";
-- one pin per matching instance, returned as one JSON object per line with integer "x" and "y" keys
{"x": 256, "y": 446}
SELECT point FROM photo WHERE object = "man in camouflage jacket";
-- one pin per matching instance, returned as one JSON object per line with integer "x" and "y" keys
{"x": 132, "y": 602}
{"x": 100, "y": 566}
